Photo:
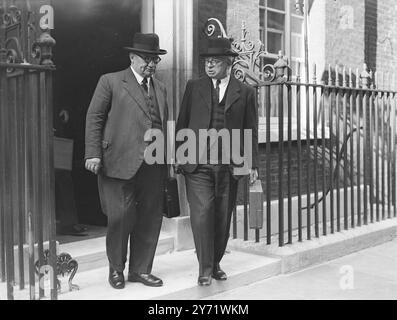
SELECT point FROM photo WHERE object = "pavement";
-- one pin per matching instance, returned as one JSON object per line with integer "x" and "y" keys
{"x": 370, "y": 274}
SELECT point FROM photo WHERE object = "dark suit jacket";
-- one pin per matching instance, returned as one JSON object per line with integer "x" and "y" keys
{"x": 241, "y": 112}
{"x": 117, "y": 120}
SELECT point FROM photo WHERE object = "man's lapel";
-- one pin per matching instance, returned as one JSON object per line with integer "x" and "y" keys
{"x": 160, "y": 97}
{"x": 233, "y": 92}
{"x": 134, "y": 90}
{"x": 205, "y": 91}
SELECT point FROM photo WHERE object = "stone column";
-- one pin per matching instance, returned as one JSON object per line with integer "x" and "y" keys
{"x": 174, "y": 22}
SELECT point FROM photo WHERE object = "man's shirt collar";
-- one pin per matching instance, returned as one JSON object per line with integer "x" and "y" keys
{"x": 224, "y": 81}
{"x": 138, "y": 77}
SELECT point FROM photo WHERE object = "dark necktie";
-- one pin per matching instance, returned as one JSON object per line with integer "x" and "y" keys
{"x": 144, "y": 85}
{"x": 217, "y": 90}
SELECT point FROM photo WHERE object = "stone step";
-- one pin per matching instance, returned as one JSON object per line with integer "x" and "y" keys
{"x": 179, "y": 271}
{"x": 91, "y": 254}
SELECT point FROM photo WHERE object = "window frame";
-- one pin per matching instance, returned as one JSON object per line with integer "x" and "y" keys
{"x": 287, "y": 33}
{"x": 287, "y": 36}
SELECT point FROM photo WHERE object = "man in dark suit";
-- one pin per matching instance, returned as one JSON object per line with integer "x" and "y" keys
{"x": 218, "y": 102}
{"x": 124, "y": 107}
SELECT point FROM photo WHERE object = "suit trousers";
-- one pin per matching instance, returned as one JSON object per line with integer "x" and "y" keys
{"x": 134, "y": 209}
{"x": 211, "y": 192}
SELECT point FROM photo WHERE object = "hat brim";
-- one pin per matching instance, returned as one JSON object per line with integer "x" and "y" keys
{"x": 159, "y": 52}
{"x": 220, "y": 54}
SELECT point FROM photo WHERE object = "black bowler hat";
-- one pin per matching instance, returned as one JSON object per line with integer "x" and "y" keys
{"x": 146, "y": 43}
{"x": 219, "y": 47}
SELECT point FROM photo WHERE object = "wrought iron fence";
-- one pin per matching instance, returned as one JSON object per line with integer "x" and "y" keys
{"x": 344, "y": 140}
{"x": 27, "y": 215}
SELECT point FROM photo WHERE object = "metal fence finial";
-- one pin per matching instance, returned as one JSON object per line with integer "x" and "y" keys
{"x": 243, "y": 31}
{"x": 314, "y": 73}
{"x": 329, "y": 75}
{"x": 344, "y": 76}
{"x": 298, "y": 72}
{"x": 46, "y": 43}
{"x": 281, "y": 66}
{"x": 337, "y": 83}
{"x": 365, "y": 77}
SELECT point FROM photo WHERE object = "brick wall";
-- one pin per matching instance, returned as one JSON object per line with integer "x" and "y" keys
{"x": 344, "y": 43}
{"x": 373, "y": 38}
{"x": 356, "y": 31}
{"x": 386, "y": 49}
{"x": 274, "y": 165}
{"x": 242, "y": 10}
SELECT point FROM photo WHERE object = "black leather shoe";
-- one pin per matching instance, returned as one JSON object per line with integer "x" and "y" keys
{"x": 219, "y": 274}
{"x": 204, "y": 281}
{"x": 146, "y": 278}
{"x": 116, "y": 279}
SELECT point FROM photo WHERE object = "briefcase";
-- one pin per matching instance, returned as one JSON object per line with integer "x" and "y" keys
{"x": 256, "y": 205}
{"x": 63, "y": 153}
{"x": 171, "y": 198}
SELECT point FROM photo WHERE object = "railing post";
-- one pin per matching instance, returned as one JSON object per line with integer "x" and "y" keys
{"x": 2, "y": 171}
{"x": 365, "y": 81}
{"x": 281, "y": 67}
{"x": 8, "y": 208}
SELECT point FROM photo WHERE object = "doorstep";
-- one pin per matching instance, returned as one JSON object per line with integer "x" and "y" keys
{"x": 91, "y": 254}
{"x": 179, "y": 271}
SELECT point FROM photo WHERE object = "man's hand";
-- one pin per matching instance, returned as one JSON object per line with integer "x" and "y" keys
{"x": 93, "y": 165}
{"x": 253, "y": 175}
{"x": 177, "y": 168}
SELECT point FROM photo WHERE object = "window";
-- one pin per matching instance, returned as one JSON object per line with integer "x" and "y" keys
{"x": 281, "y": 28}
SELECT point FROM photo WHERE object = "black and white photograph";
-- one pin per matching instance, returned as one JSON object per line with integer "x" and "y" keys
{"x": 198, "y": 155}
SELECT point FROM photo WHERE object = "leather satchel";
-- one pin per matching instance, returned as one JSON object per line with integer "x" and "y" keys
{"x": 256, "y": 205}
{"x": 171, "y": 195}
{"x": 171, "y": 198}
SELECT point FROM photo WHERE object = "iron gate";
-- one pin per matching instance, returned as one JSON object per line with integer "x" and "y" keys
{"x": 27, "y": 214}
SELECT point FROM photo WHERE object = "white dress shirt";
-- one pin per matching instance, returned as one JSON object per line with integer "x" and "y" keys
{"x": 139, "y": 78}
{"x": 222, "y": 86}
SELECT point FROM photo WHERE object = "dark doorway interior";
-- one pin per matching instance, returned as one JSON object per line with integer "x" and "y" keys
{"x": 90, "y": 35}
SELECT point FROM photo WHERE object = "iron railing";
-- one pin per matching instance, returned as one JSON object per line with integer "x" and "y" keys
{"x": 27, "y": 182}
{"x": 345, "y": 153}
{"x": 336, "y": 153}
{"x": 27, "y": 213}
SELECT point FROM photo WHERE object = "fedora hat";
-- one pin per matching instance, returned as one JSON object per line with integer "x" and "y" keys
{"x": 219, "y": 47}
{"x": 146, "y": 43}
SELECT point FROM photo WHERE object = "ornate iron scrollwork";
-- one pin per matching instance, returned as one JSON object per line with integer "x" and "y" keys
{"x": 13, "y": 16}
{"x": 66, "y": 265}
{"x": 212, "y": 25}
{"x": 250, "y": 66}
{"x": 21, "y": 32}
{"x": 43, "y": 48}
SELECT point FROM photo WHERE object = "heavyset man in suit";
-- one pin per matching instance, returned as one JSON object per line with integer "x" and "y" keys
{"x": 124, "y": 107}
{"x": 221, "y": 102}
